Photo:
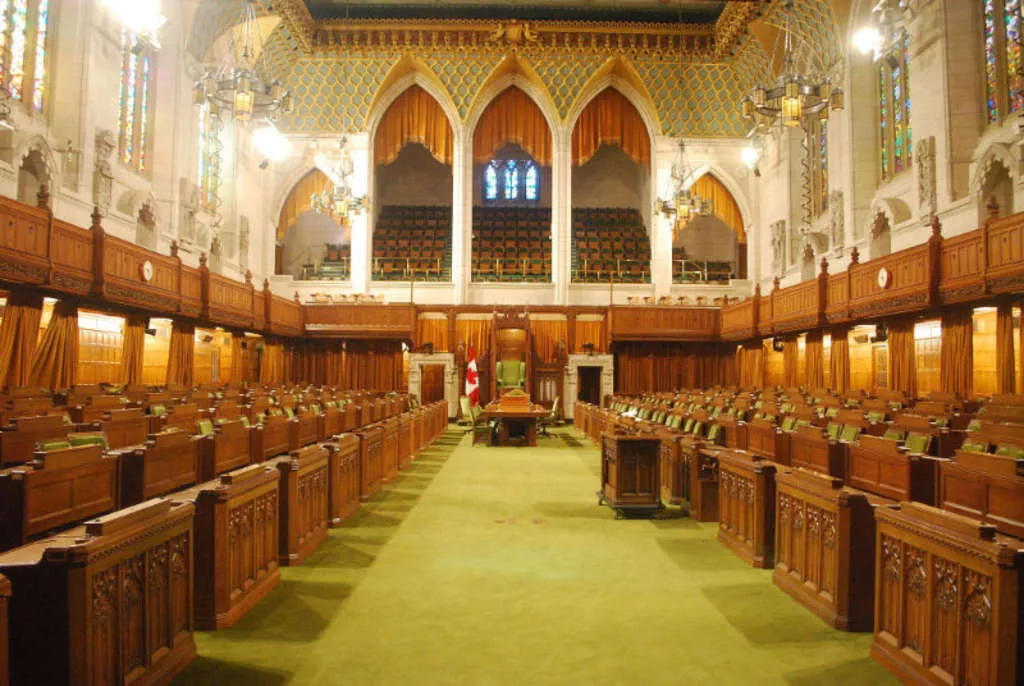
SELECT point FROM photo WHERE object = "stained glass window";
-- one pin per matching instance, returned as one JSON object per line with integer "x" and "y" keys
{"x": 894, "y": 127}
{"x": 133, "y": 122}
{"x": 816, "y": 147}
{"x": 511, "y": 180}
{"x": 1004, "y": 58}
{"x": 491, "y": 182}
{"x": 531, "y": 182}
{"x": 23, "y": 36}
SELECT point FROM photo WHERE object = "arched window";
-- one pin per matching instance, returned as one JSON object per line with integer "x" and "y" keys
{"x": 491, "y": 182}
{"x": 816, "y": 145}
{"x": 1004, "y": 91}
{"x": 894, "y": 109}
{"x": 23, "y": 28}
{"x": 511, "y": 181}
{"x": 531, "y": 193}
{"x": 133, "y": 121}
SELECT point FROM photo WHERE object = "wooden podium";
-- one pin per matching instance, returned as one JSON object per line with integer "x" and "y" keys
{"x": 630, "y": 478}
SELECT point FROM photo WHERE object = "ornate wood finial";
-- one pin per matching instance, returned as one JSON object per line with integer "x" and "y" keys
{"x": 992, "y": 206}
{"x": 296, "y": 297}
{"x": 174, "y": 248}
{"x": 248, "y": 277}
{"x": 202, "y": 259}
{"x": 43, "y": 196}
{"x": 854, "y": 256}
{"x": 824, "y": 265}
{"x": 775, "y": 283}
{"x": 936, "y": 226}
{"x": 757, "y": 290}
{"x": 266, "y": 284}
{"x": 97, "y": 218}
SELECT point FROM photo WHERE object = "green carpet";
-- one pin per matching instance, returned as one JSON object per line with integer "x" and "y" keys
{"x": 496, "y": 566}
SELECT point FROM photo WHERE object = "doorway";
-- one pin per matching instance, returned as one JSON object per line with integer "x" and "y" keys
{"x": 432, "y": 389}
{"x": 589, "y": 386}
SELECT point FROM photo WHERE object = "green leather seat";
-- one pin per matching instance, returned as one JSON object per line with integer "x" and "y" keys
{"x": 510, "y": 374}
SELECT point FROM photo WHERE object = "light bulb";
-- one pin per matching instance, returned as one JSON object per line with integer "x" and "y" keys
{"x": 867, "y": 40}
{"x": 271, "y": 144}
{"x": 750, "y": 155}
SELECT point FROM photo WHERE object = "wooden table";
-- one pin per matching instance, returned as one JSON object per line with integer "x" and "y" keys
{"x": 515, "y": 426}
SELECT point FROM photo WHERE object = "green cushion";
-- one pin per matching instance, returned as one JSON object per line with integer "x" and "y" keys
{"x": 77, "y": 440}
{"x": 788, "y": 423}
{"x": 245, "y": 421}
{"x": 893, "y": 434}
{"x": 941, "y": 422}
{"x": 289, "y": 412}
{"x": 717, "y": 411}
{"x": 832, "y": 412}
{"x": 714, "y": 433}
{"x": 54, "y": 445}
{"x": 66, "y": 419}
{"x": 688, "y": 426}
{"x": 974, "y": 425}
{"x": 849, "y": 433}
{"x": 918, "y": 443}
{"x": 205, "y": 427}
{"x": 975, "y": 447}
{"x": 876, "y": 416}
{"x": 698, "y": 427}
{"x": 1010, "y": 451}
{"x": 803, "y": 422}
{"x": 158, "y": 411}
{"x": 833, "y": 429}
{"x": 676, "y": 421}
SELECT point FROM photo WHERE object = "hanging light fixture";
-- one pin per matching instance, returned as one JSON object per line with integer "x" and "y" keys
{"x": 794, "y": 95}
{"x": 884, "y": 30}
{"x": 338, "y": 201}
{"x": 141, "y": 17}
{"x": 680, "y": 200}
{"x": 240, "y": 85}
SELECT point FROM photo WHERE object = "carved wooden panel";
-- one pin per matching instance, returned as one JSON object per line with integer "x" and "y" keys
{"x": 764, "y": 315}
{"x": 123, "y": 281}
{"x": 191, "y": 283}
{"x": 285, "y": 317}
{"x": 228, "y": 302}
{"x": 907, "y": 289}
{"x": 71, "y": 258}
{"x": 362, "y": 320}
{"x": 24, "y": 242}
{"x": 837, "y": 298}
{"x": 962, "y": 266}
{"x": 739, "y": 320}
{"x": 259, "y": 310}
{"x": 371, "y": 467}
{"x": 303, "y": 503}
{"x": 663, "y": 323}
{"x": 343, "y": 477}
{"x": 799, "y": 307}
{"x": 1005, "y": 251}
{"x": 746, "y": 506}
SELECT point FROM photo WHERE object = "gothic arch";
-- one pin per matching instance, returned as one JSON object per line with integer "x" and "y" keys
{"x": 38, "y": 144}
{"x": 617, "y": 73}
{"x": 510, "y": 72}
{"x": 735, "y": 190}
{"x": 995, "y": 155}
{"x": 405, "y": 73}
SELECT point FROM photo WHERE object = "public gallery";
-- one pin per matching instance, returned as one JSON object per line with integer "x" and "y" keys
{"x": 548, "y": 342}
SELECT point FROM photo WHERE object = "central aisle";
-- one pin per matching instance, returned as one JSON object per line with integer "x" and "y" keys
{"x": 496, "y": 566}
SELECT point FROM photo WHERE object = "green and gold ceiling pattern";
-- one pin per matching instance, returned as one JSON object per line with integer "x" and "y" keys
{"x": 694, "y": 84}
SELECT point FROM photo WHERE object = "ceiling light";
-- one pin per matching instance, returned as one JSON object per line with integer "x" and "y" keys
{"x": 141, "y": 17}
{"x": 867, "y": 41}
{"x": 269, "y": 142}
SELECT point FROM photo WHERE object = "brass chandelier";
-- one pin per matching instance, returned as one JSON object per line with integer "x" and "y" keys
{"x": 240, "y": 84}
{"x": 681, "y": 200}
{"x": 338, "y": 201}
{"x": 795, "y": 95}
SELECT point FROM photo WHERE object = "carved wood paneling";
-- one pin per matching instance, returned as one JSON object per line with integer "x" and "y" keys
{"x": 739, "y": 320}
{"x": 285, "y": 317}
{"x": 962, "y": 265}
{"x": 909, "y": 288}
{"x": 663, "y": 323}
{"x": 1005, "y": 252}
{"x": 799, "y": 307}
{"x": 24, "y": 242}
{"x": 837, "y": 298}
{"x": 228, "y": 302}
{"x": 71, "y": 258}
{"x": 395, "y": 321}
{"x": 120, "y": 276}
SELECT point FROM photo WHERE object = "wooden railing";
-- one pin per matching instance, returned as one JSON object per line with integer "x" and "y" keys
{"x": 639, "y": 323}
{"x": 361, "y": 320}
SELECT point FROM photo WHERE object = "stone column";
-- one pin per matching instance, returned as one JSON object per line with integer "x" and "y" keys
{"x": 561, "y": 213}
{"x": 462, "y": 214}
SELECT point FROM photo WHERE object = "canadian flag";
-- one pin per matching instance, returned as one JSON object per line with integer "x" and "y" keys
{"x": 472, "y": 379}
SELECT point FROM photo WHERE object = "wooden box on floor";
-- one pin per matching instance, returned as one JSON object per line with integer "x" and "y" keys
{"x": 106, "y": 604}
{"x": 825, "y": 547}
{"x": 303, "y": 497}
{"x": 229, "y": 447}
{"x": 343, "y": 478}
{"x": 630, "y": 474}
{"x": 236, "y": 544}
{"x": 371, "y": 460}
{"x": 389, "y": 449}
{"x": 811, "y": 448}
{"x": 168, "y": 461}
{"x": 947, "y": 598}
{"x": 746, "y": 506}
{"x": 405, "y": 454}
{"x": 5, "y": 594}
{"x": 880, "y": 465}
{"x": 58, "y": 488}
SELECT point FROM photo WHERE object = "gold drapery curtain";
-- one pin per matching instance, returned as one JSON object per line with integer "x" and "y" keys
{"x": 237, "y": 365}
{"x": 475, "y": 332}
{"x": 55, "y": 362}
{"x": 725, "y": 207}
{"x": 133, "y": 342}
{"x": 272, "y": 363}
{"x": 512, "y": 118}
{"x": 374, "y": 365}
{"x": 814, "y": 354}
{"x": 750, "y": 364}
{"x": 297, "y": 201}
{"x": 182, "y": 354}
{"x": 902, "y": 372}
{"x": 790, "y": 362}
{"x": 546, "y": 336}
{"x": 433, "y": 331}
{"x": 650, "y": 367}
{"x": 839, "y": 360}
{"x": 589, "y": 332}
{"x": 414, "y": 117}
{"x": 610, "y": 119}
{"x": 1006, "y": 375}
{"x": 19, "y": 333}
{"x": 956, "y": 352}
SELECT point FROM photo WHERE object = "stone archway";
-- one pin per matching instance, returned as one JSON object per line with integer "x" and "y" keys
{"x": 606, "y": 363}
{"x": 451, "y": 385}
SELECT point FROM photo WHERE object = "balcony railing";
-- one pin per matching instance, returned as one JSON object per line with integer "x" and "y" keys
{"x": 410, "y": 269}
{"x": 701, "y": 271}
{"x": 619, "y": 270}
{"x": 512, "y": 269}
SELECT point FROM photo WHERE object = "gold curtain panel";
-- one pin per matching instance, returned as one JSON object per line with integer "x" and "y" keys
{"x": 512, "y": 118}
{"x": 415, "y": 117}
{"x": 19, "y": 333}
{"x": 726, "y": 209}
{"x": 56, "y": 358}
{"x": 297, "y": 201}
{"x": 610, "y": 119}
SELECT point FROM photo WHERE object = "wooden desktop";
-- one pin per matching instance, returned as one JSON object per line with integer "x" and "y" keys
{"x": 517, "y": 419}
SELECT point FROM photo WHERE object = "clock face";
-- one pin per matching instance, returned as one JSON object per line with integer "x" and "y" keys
{"x": 147, "y": 271}
{"x": 884, "y": 278}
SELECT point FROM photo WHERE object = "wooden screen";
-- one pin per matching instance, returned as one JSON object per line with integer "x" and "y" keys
{"x": 432, "y": 388}
{"x": 99, "y": 347}
{"x": 773, "y": 370}
{"x": 155, "y": 353}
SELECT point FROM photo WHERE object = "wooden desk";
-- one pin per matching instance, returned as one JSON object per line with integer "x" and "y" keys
{"x": 515, "y": 426}
{"x": 630, "y": 475}
{"x": 746, "y": 497}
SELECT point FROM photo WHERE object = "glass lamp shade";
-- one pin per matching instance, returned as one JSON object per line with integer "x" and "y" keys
{"x": 837, "y": 101}
{"x": 243, "y": 105}
{"x": 792, "y": 104}
{"x": 748, "y": 108}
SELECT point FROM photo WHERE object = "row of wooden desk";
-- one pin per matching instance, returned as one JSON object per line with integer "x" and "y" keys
{"x": 116, "y": 600}
{"x": 939, "y": 582}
